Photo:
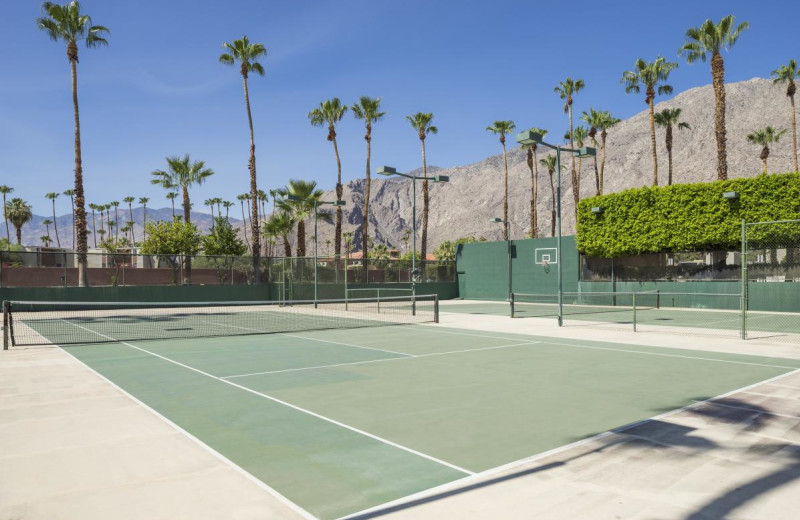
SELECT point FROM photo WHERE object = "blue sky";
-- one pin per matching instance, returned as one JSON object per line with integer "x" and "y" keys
{"x": 158, "y": 90}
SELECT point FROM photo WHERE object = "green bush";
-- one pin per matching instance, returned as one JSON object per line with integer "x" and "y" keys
{"x": 684, "y": 217}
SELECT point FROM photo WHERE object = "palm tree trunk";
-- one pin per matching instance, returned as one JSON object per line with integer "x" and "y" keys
{"x": 187, "y": 218}
{"x": 301, "y": 238}
{"x": 505, "y": 199}
{"x": 576, "y": 187}
{"x": 603, "y": 136}
{"x": 596, "y": 172}
{"x": 144, "y": 221}
{"x": 80, "y": 202}
{"x": 337, "y": 239}
{"x": 423, "y": 252}
{"x": 287, "y": 247}
{"x": 253, "y": 191}
{"x": 19, "y": 234}
{"x": 94, "y": 230}
{"x": 718, "y": 80}
{"x": 794, "y": 131}
{"x": 534, "y": 190}
{"x": 72, "y": 203}
{"x": 764, "y": 156}
{"x": 55, "y": 224}
{"x": 653, "y": 139}
{"x": 553, "y": 210}
{"x": 365, "y": 216}
{"x": 5, "y": 217}
{"x": 244, "y": 221}
{"x": 669, "y": 155}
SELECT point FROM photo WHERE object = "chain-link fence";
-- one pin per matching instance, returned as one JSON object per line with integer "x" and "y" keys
{"x": 59, "y": 268}
{"x": 695, "y": 266}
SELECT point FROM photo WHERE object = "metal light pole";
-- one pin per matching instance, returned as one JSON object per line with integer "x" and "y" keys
{"x": 316, "y": 204}
{"x": 528, "y": 138}
{"x": 388, "y": 170}
{"x": 508, "y": 244}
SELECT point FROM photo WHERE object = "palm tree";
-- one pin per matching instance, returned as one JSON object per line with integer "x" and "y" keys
{"x": 129, "y": 200}
{"x": 183, "y": 173}
{"x": 579, "y": 135}
{"x": 143, "y": 201}
{"x": 242, "y": 199}
{"x": 607, "y": 121}
{"x": 46, "y": 240}
{"x": 368, "y": 110}
{"x": 67, "y": 24}
{"x": 247, "y": 54}
{"x": 306, "y": 193}
{"x": 765, "y": 137}
{"x": 331, "y": 112}
{"x": 669, "y": 118}
{"x": 47, "y": 223}
{"x": 19, "y": 213}
{"x": 711, "y": 38}
{"x": 565, "y": 90}
{"x": 94, "y": 207}
{"x": 421, "y": 122}
{"x": 115, "y": 205}
{"x": 228, "y": 205}
{"x": 280, "y": 225}
{"x": 71, "y": 194}
{"x": 651, "y": 75}
{"x": 787, "y": 74}
{"x": 210, "y": 204}
{"x": 5, "y": 190}
{"x": 172, "y": 196}
{"x": 503, "y": 128}
{"x": 550, "y": 163}
{"x": 533, "y": 166}
{"x": 594, "y": 119}
{"x": 53, "y": 196}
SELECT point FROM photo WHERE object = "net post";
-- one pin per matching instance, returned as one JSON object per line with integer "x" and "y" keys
{"x": 436, "y": 308}
{"x": 744, "y": 276}
{"x": 413, "y": 299}
{"x": 634, "y": 311}
{"x": 511, "y": 303}
{"x": 5, "y": 325}
{"x": 378, "y": 290}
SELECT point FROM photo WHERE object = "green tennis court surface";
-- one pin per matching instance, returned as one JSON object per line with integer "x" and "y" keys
{"x": 343, "y": 420}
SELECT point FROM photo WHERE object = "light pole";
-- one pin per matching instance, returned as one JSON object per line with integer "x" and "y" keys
{"x": 508, "y": 243}
{"x": 388, "y": 170}
{"x": 528, "y": 138}
{"x": 317, "y": 204}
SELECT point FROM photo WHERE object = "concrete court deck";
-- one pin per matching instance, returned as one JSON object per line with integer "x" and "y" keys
{"x": 73, "y": 446}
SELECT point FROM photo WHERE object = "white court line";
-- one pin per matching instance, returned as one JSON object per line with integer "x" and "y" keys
{"x": 289, "y": 405}
{"x": 409, "y": 356}
{"x": 754, "y": 410}
{"x": 465, "y": 481}
{"x": 544, "y": 342}
{"x": 322, "y": 340}
{"x": 225, "y": 460}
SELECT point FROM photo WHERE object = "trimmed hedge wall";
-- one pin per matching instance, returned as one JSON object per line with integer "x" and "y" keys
{"x": 683, "y": 217}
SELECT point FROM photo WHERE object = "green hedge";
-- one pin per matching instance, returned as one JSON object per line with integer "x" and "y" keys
{"x": 683, "y": 217}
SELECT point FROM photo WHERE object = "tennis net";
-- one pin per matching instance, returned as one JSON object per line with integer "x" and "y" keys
{"x": 576, "y": 303}
{"x": 62, "y": 323}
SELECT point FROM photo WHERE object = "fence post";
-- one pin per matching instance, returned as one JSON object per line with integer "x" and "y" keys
{"x": 511, "y": 302}
{"x": 436, "y": 308}
{"x": 5, "y": 325}
{"x": 634, "y": 311}
{"x": 744, "y": 276}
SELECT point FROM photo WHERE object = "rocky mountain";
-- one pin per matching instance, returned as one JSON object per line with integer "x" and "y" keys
{"x": 474, "y": 194}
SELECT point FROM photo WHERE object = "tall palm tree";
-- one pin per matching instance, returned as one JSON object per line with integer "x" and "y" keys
{"x": 502, "y": 128}
{"x": 115, "y": 205}
{"x": 331, "y": 112}
{"x": 210, "y": 204}
{"x": 172, "y": 196}
{"x": 765, "y": 137}
{"x": 306, "y": 193}
{"x": 368, "y": 110}
{"x": 94, "y": 207}
{"x": 143, "y": 201}
{"x": 712, "y": 39}
{"x": 129, "y": 200}
{"x": 228, "y": 205}
{"x": 579, "y": 135}
{"x": 247, "y": 54}
{"x": 533, "y": 166}
{"x": 787, "y": 74}
{"x": 47, "y": 223}
{"x": 421, "y": 122}
{"x": 607, "y": 121}
{"x": 566, "y": 90}
{"x": 71, "y": 194}
{"x": 279, "y": 225}
{"x": 244, "y": 197}
{"x": 53, "y": 196}
{"x": 5, "y": 190}
{"x": 550, "y": 163}
{"x": 594, "y": 119}
{"x": 669, "y": 118}
{"x": 66, "y": 23}
{"x": 651, "y": 75}
{"x": 19, "y": 213}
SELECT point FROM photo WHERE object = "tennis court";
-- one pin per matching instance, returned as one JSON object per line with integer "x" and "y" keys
{"x": 339, "y": 420}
